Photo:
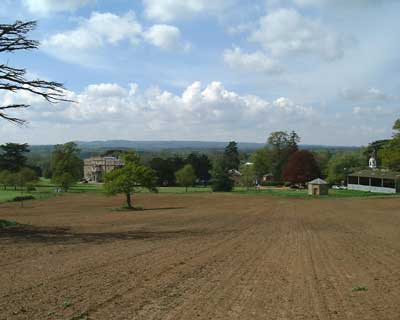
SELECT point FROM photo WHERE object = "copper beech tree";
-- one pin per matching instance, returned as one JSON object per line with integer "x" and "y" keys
{"x": 301, "y": 167}
{"x": 13, "y": 38}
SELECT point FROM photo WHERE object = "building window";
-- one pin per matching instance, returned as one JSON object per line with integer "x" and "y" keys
{"x": 376, "y": 182}
{"x": 364, "y": 181}
{"x": 353, "y": 180}
{"x": 388, "y": 183}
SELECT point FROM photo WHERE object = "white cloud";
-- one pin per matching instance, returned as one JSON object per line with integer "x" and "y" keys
{"x": 102, "y": 30}
{"x": 285, "y": 31}
{"x": 209, "y": 111}
{"x": 371, "y": 94}
{"x": 256, "y": 62}
{"x": 43, "y": 7}
{"x": 343, "y": 3}
{"x": 99, "y": 30}
{"x": 166, "y": 37}
{"x": 170, "y": 10}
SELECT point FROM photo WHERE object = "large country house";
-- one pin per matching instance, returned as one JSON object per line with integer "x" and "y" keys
{"x": 96, "y": 167}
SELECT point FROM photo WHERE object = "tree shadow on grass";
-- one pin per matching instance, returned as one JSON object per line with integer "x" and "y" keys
{"x": 65, "y": 236}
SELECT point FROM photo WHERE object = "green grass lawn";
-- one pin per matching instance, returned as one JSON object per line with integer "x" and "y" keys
{"x": 45, "y": 189}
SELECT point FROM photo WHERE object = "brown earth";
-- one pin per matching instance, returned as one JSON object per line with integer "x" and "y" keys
{"x": 201, "y": 256}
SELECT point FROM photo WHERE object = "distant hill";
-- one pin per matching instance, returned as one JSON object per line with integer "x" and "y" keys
{"x": 90, "y": 148}
{"x": 166, "y": 145}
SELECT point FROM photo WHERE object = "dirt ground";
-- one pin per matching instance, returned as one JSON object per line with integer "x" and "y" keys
{"x": 201, "y": 256}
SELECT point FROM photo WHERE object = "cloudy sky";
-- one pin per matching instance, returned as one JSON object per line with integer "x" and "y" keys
{"x": 210, "y": 70}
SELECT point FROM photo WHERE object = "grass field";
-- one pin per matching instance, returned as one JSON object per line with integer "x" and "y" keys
{"x": 201, "y": 256}
{"x": 45, "y": 189}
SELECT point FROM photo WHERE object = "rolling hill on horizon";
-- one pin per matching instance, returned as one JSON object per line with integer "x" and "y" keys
{"x": 175, "y": 145}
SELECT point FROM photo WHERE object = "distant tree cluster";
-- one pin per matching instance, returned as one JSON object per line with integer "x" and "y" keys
{"x": 166, "y": 168}
{"x": 14, "y": 170}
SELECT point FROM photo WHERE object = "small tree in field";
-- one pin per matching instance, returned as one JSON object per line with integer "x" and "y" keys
{"x": 301, "y": 167}
{"x": 130, "y": 179}
{"x": 186, "y": 176}
{"x": 221, "y": 180}
{"x": 248, "y": 175}
{"x": 26, "y": 176}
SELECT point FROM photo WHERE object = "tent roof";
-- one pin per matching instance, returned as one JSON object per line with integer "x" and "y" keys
{"x": 318, "y": 181}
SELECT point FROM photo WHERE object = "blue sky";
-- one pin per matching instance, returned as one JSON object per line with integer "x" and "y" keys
{"x": 201, "y": 70}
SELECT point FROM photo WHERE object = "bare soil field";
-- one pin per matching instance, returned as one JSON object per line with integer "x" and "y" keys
{"x": 201, "y": 256}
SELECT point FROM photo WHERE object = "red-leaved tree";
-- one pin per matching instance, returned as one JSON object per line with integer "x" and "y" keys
{"x": 301, "y": 167}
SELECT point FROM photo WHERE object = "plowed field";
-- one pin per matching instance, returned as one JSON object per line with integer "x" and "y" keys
{"x": 201, "y": 256}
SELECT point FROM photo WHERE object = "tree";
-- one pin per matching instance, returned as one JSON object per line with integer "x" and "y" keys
{"x": 165, "y": 169}
{"x": 186, "y": 176}
{"x": 13, "y": 37}
{"x": 390, "y": 152}
{"x": 130, "y": 157}
{"x": 341, "y": 164}
{"x": 322, "y": 157}
{"x": 26, "y": 176}
{"x": 231, "y": 157}
{"x": 261, "y": 159}
{"x": 248, "y": 175}
{"x": 201, "y": 165}
{"x": 221, "y": 180}
{"x": 4, "y": 178}
{"x": 66, "y": 165}
{"x": 130, "y": 179}
{"x": 301, "y": 167}
{"x": 12, "y": 157}
{"x": 283, "y": 145}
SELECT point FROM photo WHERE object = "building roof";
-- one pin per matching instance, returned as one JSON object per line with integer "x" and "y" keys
{"x": 381, "y": 174}
{"x": 318, "y": 181}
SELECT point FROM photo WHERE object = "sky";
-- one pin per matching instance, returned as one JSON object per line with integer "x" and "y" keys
{"x": 209, "y": 70}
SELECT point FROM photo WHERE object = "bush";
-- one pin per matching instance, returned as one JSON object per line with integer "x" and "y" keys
{"x": 22, "y": 198}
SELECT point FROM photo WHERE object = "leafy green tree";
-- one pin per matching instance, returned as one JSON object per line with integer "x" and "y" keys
{"x": 26, "y": 176}
{"x": 231, "y": 156}
{"x": 129, "y": 180}
{"x": 131, "y": 157}
{"x": 10, "y": 179}
{"x": 4, "y": 178}
{"x": 261, "y": 159}
{"x": 390, "y": 153}
{"x": 12, "y": 156}
{"x": 165, "y": 169}
{"x": 66, "y": 165}
{"x": 282, "y": 145}
{"x": 186, "y": 176}
{"x": 248, "y": 175}
{"x": 322, "y": 157}
{"x": 221, "y": 180}
{"x": 341, "y": 164}
{"x": 201, "y": 165}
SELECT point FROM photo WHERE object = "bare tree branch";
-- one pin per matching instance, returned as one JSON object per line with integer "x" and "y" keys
{"x": 13, "y": 37}
{"x": 13, "y": 119}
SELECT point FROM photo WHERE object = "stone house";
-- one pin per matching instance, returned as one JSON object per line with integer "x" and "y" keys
{"x": 96, "y": 167}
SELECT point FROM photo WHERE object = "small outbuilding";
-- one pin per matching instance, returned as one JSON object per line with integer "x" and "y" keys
{"x": 318, "y": 187}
